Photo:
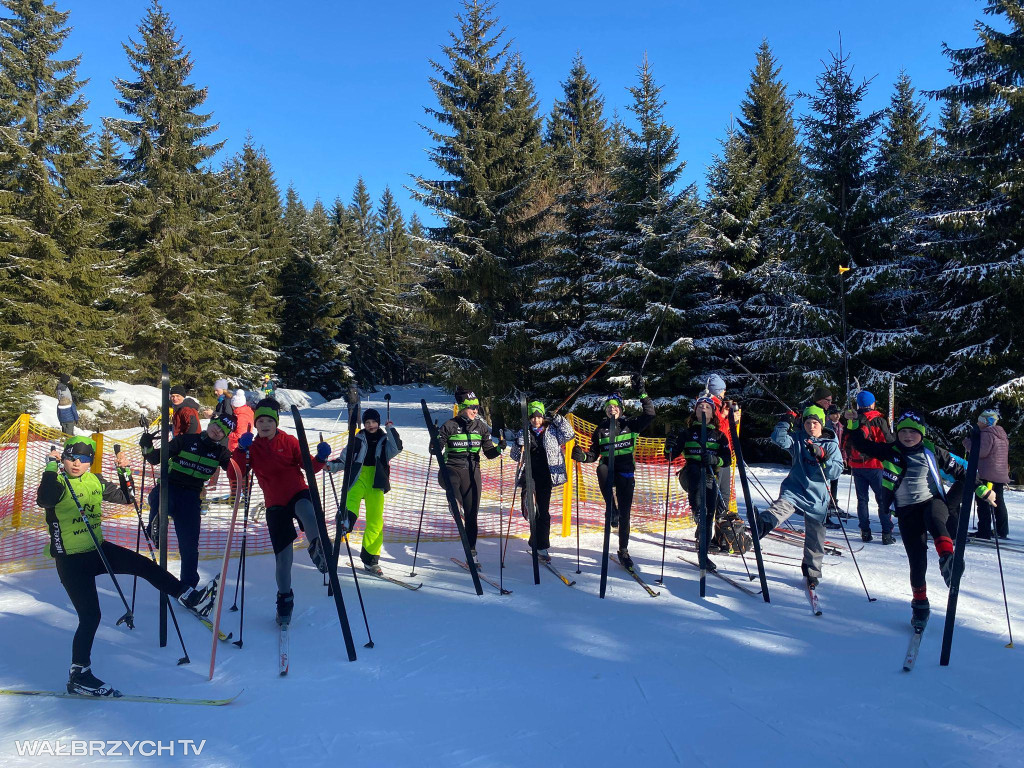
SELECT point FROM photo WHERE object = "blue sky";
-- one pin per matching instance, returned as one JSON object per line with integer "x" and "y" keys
{"x": 333, "y": 90}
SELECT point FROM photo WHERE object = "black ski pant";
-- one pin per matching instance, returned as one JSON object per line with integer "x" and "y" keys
{"x": 541, "y": 529}
{"x": 78, "y": 574}
{"x": 466, "y": 483}
{"x": 986, "y": 513}
{"x": 715, "y": 506}
{"x": 622, "y": 504}
{"x": 916, "y": 522}
{"x": 185, "y": 508}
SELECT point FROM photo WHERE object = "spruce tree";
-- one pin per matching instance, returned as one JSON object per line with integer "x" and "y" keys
{"x": 768, "y": 128}
{"x": 395, "y": 277}
{"x": 977, "y": 326}
{"x": 577, "y": 131}
{"x": 252, "y": 281}
{"x": 172, "y": 231}
{"x": 50, "y": 319}
{"x": 487, "y": 148}
{"x": 311, "y": 356}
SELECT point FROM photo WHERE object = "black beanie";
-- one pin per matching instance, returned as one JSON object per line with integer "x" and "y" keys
{"x": 178, "y": 390}
{"x": 461, "y": 393}
{"x": 371, "y": 413}
{"x": 63, "y": 378}
{"x": 820, "y": 393}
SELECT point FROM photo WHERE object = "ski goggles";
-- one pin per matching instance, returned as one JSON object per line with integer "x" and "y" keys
{"x": 81, "y": 457}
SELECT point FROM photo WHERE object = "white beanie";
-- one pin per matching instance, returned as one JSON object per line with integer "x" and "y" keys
{"x": 238, "y": 399}
{"x": 220, "y": 384}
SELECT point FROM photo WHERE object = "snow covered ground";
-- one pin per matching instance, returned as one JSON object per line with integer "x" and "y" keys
{"x": 548, "y": 675}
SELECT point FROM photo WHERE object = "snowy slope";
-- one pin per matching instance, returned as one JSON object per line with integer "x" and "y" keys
{"x": 549, "y": 675}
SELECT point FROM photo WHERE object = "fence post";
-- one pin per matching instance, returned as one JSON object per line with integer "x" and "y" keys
{"x": 97, "y": 463}
{"x": 19, "y": 476}
{"x": 567, "y": 490}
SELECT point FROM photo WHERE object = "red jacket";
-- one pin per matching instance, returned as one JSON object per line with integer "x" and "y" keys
{"x": 277, "y": 464}
{"x": 243, "y": 415}
{"x": 876, "y": 429}
{"x": 186, "y": 418}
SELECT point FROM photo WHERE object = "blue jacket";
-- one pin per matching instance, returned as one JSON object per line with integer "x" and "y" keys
{"x": 805, "y": 487}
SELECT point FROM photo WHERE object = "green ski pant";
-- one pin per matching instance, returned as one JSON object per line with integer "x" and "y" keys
{"x": 373, "y": 531}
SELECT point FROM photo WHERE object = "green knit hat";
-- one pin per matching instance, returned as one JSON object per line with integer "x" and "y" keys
{"x": 814, "y": 412}
{"x": 911, "y": 420}
{"x": 535, "y": 407}
{"x": 267, "y": 407}
{"x": 79, "y": 446}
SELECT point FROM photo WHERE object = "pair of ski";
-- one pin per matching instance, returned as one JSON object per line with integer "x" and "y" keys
{"x": 713, "y": 570}
{"x": 123, "y": 697}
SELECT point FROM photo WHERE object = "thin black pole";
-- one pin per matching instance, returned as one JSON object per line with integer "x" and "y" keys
{"x": 423, "y": 507}
{"x": 351, "y": 561}
{"x": 664, "y": 533}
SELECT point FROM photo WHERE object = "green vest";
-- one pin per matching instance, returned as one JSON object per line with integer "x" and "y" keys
{"x": 463, "y": 442}
{"x": 625, "y": 443}
{"x": 68, "y": 534}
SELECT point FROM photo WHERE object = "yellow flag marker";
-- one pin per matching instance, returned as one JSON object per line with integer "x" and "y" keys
{"x": 843, "y": 269}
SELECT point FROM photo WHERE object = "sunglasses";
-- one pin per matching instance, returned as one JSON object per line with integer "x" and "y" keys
{"x": 79, "y": 457}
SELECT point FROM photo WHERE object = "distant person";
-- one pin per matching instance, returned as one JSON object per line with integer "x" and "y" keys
{"x": 243, "y": 418}
{"x": 223, "y": 395}
{"x": 993, "y": 469}
{"x": 268, "y": 387}
{"x": 67, "y": 412}
{"x": 866, "y": 469}
{"x": 186, "y": 413}
{"x": 836, "y": 425}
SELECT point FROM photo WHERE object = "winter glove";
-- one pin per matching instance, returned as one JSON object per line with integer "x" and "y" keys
{"x": 986, "y": 494}
{"x": 671, "y": 443}
{"x": 154, "y": 529}
{"x": 245, "y": 441}
{"x": 519, "y": 441}
{"x": 816, "y": 451}
{"x": 637, "y": 381}
{"x": 578, "y": 454}
{"x": 146, "y": 442}
{"x": 334, "y": 467}
{"x": 501, "y": 443}
{"x": 789, "y": 417}
{"x": 709, "y": 459}
{"x": 323, "y": 451}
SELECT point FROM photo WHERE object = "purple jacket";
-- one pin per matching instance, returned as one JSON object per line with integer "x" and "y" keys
{"x": 994, "y": 460}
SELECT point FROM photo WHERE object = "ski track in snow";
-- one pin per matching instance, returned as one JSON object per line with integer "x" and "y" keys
{"x": 549, "y": 675}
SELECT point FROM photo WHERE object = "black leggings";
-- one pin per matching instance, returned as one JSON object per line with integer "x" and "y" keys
{"x": 689, "y": 479}
{"x": 916, "y": 522}
{"x": 624, "y": 486}
{"x": 466, "y": 485}
{"x": 542, "y": 525}
{"x": 986, "y": 513}
{"x": 78, "y": 575}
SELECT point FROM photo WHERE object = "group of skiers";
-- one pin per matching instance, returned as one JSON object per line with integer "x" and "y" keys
{"x": 910, "y": 477}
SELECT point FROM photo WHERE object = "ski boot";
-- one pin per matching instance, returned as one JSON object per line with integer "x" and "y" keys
{"x": 285, "y": 605}
{"x": 318, "y": 556}
{"x": 888, "y": 538}
{"x": 476, "y": 560}
{"x": 373, "y": 568}
{"x": 624, "y": 558}
{"x": 82, "y": 682}
{"x": 200, "y": 600}
{"x": 921, "y": 610}
{"x": 766, "y": 523}
{"x": 542, "y": 554}
{"x": 832, "y": 525}
{"x": 866, "y": 536}
{"x": 946, "y": 567}
{"x": 812, "y": 581}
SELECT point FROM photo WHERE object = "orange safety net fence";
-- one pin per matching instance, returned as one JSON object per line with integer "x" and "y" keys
{"x": 23, "y": 536}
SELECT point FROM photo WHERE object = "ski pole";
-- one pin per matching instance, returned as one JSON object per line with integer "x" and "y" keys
{"x": 423, "y": 508}
{"x": 352, "y": 563}
{"x": 512, "y": 504}
{"x": 242, "y": 559}
{"x": 842, "y": 526}
{"x": 596, "y": 371}
{"x": 675, "y": 284}
{"x": 387, "y": 400}
{"x": 128, "y": 617}
{"x": 762, "y": 383}
{"x": 128, "y": 488}
{"x": 664, "y": 533}
{"x": 1002, "y": 582}
{"x": 138, "y": 533}
{"x": 578, "y": 518}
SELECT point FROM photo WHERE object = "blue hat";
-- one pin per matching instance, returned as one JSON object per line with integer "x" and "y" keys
{"x": 865, "y": 399}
